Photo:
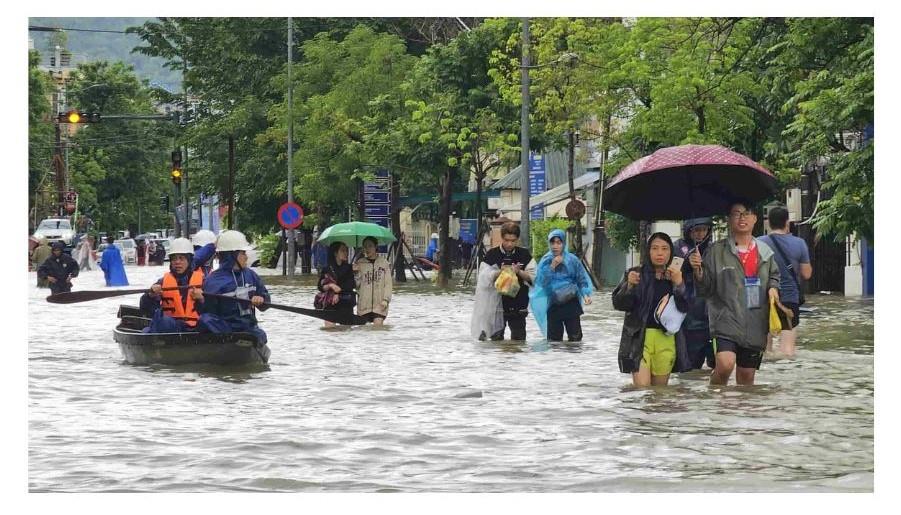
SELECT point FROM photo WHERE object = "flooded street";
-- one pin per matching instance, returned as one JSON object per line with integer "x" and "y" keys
{"x": 419, "y": 406}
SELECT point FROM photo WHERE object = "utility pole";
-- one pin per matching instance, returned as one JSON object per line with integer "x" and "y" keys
{"x": 184, "y": 74}
{"x": 524, "y": 136}
{"x": 290, "y": 242}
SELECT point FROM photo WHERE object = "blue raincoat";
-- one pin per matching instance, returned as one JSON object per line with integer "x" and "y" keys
{"x": 571, "y": 271}
{"x": 431, "y": 249}
{"x": 113, "y": 269}
{"x": 203, "y": 258}
{"x": 229, "y": 316}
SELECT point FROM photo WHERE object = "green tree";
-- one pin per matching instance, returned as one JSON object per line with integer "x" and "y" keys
{"x": 832, "y": 106}
{"x": 40, "y": 128}
{"x": 118, "y": 167}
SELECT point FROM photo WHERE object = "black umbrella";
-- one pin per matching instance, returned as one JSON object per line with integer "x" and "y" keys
{"x": 687, "y": 181}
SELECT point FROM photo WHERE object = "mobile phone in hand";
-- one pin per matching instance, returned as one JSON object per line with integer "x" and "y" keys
{"x": 677, "y": 261}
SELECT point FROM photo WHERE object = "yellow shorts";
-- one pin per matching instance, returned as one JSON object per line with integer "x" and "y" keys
{"x": 659, "y": 352}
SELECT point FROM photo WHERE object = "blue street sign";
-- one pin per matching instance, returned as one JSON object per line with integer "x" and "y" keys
{"x": 536, "y": 162}
{"x": 377, "y": 211}
{"x": 374, "y": 187}
{"x": 468, "y": 230}
{"x": 379, "y": 197}
{"x": 537, "y": 183}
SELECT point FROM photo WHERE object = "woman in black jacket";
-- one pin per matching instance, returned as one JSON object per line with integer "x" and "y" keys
{"x": 646, "y": 350}
{"x": 338, "y": 276}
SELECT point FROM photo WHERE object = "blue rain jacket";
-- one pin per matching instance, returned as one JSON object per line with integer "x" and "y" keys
{"x": 431, "y": 249}
{"x": 113, "y": 269}
{"x": 203, "y": 258}
{"x": 571, "y": 271}
{"x": 224, "y": 315}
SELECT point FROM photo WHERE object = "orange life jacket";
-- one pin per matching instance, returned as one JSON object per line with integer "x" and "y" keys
{"x": 171, "y": 299}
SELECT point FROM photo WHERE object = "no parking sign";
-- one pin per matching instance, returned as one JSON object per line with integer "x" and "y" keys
{"x": 290, "y": 215}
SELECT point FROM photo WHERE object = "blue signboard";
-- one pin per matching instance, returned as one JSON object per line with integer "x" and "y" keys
{"x": 468, "y": 230}
{"x": 377, "y": 186}
{"x": 377, "y": 211}
{"x": 377, "y": 201}
{"x": 537, "y": 183}
{"x": 380, "y": 197}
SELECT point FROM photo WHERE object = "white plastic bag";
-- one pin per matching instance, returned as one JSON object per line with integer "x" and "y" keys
{"x": 487, "y": 311}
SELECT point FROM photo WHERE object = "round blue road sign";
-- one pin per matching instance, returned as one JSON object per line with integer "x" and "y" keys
{"x": 290, "y": 215}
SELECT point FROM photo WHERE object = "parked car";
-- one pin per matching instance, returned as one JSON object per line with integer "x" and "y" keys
{"x": 55, "y": 229}
{"x": 129, "y": 250}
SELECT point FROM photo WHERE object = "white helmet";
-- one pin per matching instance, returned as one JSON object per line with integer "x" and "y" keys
{"x": 203, "y": 237}
{"x": 181, "y": 246}
{"x": 434, "y": 236}
{"x": 231, "y": 240}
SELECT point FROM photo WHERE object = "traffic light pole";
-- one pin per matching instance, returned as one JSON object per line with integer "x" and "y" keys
{"x": 175, "y": 210}
{"x": 187, "y": 200}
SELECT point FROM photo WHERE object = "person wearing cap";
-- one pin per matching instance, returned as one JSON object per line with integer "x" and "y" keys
{"x": 204, "y": 242}
{"x": 58, "y": 269}
{"x": 111, "y": 263}
{"x": 173, "y": 310}
{"x": 695, "y": 332}
{"x": 38, "y": 256}
{"x": 233, "y": 277}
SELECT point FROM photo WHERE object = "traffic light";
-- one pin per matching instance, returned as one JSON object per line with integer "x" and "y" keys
{"x": 74, "y": 116}
{"x": 164, "y": 203}
{"x": 176, "y": 167}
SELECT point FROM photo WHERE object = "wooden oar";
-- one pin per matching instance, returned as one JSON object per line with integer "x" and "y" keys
{"x": 322, "y": 314}
{"x": 72, "y": 297}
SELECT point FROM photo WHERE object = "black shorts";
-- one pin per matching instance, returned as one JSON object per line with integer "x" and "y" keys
{"x": 744, "y": 357}
{"x": 796, "y": 310}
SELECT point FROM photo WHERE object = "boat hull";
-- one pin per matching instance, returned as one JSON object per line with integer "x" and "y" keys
{"x": 190, "y": 348}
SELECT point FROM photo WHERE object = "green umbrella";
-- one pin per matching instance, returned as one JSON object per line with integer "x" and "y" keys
{"x": 353, "y": 234}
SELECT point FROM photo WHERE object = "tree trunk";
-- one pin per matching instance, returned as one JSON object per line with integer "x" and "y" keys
{"x": 577, "y": 233}
{"x": 445, "y": 262}
{"x": 231, "y": 182}
{"x": 479, "y": 178}
{"x": 597, "y": 254}
{"x": 361, "y": 201}
{"x": 400, "y": 275}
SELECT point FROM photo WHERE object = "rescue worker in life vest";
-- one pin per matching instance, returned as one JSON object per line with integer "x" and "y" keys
{"x": 175, "y": 311}
{"x": 233, "y": 277}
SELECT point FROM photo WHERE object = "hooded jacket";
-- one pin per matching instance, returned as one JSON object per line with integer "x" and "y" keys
{"x": 696, "y": 318}
{"x": 113, "y": 269}
{"x": 225, "y": 280}
{"x": 547, "y": 281}
{"x": 637, "y": 303}
{"x": 722, "y": 284}
{"x": 375, "y": 285}
{"x": 203, "y": 258}
{"x": 61, "y": 268}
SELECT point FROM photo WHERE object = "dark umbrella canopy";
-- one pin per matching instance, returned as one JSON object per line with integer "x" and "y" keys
{"x": 687, "y": 181}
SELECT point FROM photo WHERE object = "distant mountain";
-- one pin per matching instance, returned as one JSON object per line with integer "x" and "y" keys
{"x": 106, "y": 46}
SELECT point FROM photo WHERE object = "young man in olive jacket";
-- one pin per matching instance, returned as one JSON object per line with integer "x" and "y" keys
{"x": 516, "y": 309}
{"x": 737, "y": 276}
